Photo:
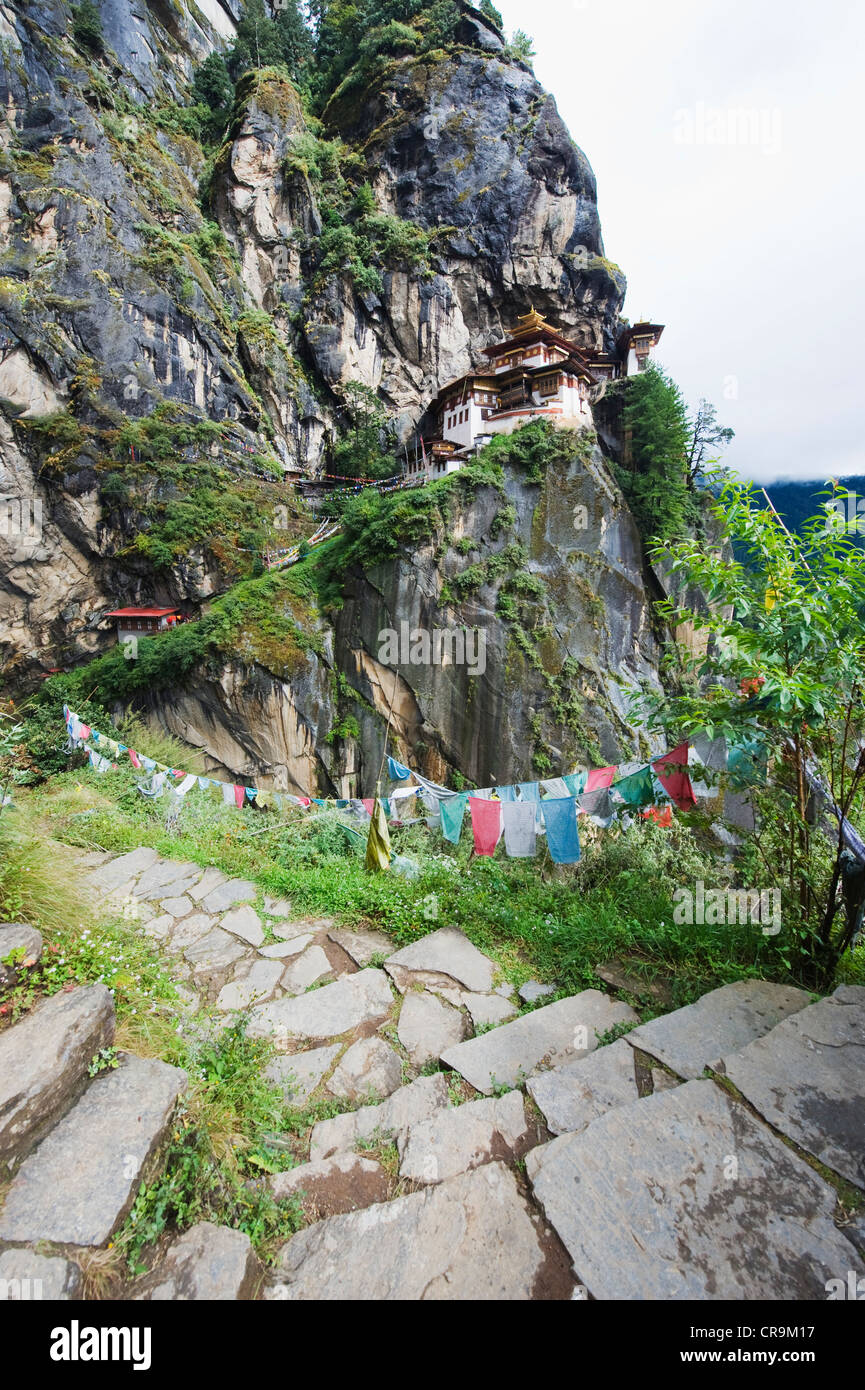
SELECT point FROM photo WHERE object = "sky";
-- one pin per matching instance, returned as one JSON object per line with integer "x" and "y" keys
{"x": 725, "y": 136}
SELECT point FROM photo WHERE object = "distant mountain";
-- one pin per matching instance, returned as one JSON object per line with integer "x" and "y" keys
{"x": 797, "y": 502}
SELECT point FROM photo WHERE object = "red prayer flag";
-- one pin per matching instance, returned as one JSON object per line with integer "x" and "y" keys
{"x": 486, "y": 824}
{"x": 601, "y": 777}
{"x": 671, "y": 771}
{"x": 239, "y": 794}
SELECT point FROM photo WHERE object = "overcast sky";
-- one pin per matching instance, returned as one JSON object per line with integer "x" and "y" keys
{"x": 748, "y": 248}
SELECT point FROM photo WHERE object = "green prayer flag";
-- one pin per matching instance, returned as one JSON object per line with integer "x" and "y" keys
{"x": 452, "y": 812}
{"x": 638, "y": 789}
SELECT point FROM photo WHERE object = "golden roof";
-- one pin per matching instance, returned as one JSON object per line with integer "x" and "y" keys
{"x": 529, "y": 323}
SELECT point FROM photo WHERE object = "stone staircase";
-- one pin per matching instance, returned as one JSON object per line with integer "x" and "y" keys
{"x": 713, "y": 1152}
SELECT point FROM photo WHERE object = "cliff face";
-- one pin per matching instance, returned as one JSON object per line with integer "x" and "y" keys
{"x": 169, "y": 321}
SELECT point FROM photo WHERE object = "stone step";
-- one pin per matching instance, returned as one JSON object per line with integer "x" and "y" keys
{"x": 556, "y": 1033}
{"x": 685, "y": 1195}
{"x": 464, "y": 1137}
{"x": 807, "y": 1078}
{"x": 20, "y": 948}
{"x": 27, "y": 1277}
{"x": 406, "y": 1107}
{"x": 44, "y": 1061}
{"x": 96, "y": 1157}
{"x": 444, "y": 952}
{"x": 472, "y": 1238}
{"x": 725, "y": 1020}
{"x": 328, "y": 1012}
{"x": 331, "y": 1186}
{"x": 208, "y": 1263}
{"x": 571, "y": 1096}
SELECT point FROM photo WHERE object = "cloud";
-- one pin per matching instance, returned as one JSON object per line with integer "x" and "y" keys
{"x": 722, "y": 136}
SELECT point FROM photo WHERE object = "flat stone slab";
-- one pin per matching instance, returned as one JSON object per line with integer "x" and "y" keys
{"x": 362, "y": 946}
{"x": 556, "y": 1033}
{"x": 807, "y": 1077}
{"x": 301, "y": 926}
{"x": 210, "y": 879}
{"x": 298, "y": 1074}
{"x": 280, "y": 950}
{"x": 471, "y": 1238}
{"x": 330, "y": 1186}
{"x": 166, "y": 879}
{"x": 177, "y": 907}
{"x": 328, "y": 1012}
{"x": 213, "y": 953}
{"x": 489, "y": 1008}
{"x": 207, "y": 1263}
{"x": 114, "y": 874}
{"x": 20, "y": 948}
{"x": 96, "y": 1157}
{"x": 463, "y": 1137}
{"x": 533, "y": 989}
{"x": 27, "y": 1277}
{"x": 685, "y": 1195}
{"x": 571, "y": 1096}
{"x": 277, "y": 907}
{"x": 449, "y": 952}
{"x": 160, "y": 928}
{"x": 406, "y": 1107}
{"x": 258, "y": 984}
{"x": 370, "y": 1067}
{"x": 427, "y": 1027}
{"x": 311, "y": 965}
{"x": 243, "y": 922}
{"x": 725, "y": 1020}
{"x": 193, "y": 928}
{"x": 44, "y": 1060}
{"x": 225, "y": 895}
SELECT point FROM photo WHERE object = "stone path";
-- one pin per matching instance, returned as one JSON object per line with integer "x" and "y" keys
{"x": 491, "y": 1144}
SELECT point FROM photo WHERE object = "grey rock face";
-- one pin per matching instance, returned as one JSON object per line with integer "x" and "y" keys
{"x": 96, "y": 1156}
{"x": 406, "y": 1107}
{"x": 44, "y": 1061}
{"x": 208, "y": 1263}
{"x": 556, "y": 1033}
{"x": 685, "y": 1195}
{"x": 470, "y": 1238}
{"x": 26, "y": 1276}
{"x": 807, "y": 1077}
{"x": 571, "y": 1096}
{"x": 725, "y": 1020}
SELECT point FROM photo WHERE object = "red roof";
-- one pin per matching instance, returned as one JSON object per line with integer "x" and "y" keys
{"x": 141, "y": 612}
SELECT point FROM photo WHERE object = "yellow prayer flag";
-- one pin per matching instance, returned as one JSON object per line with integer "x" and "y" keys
{"x": 378, "y": 843}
